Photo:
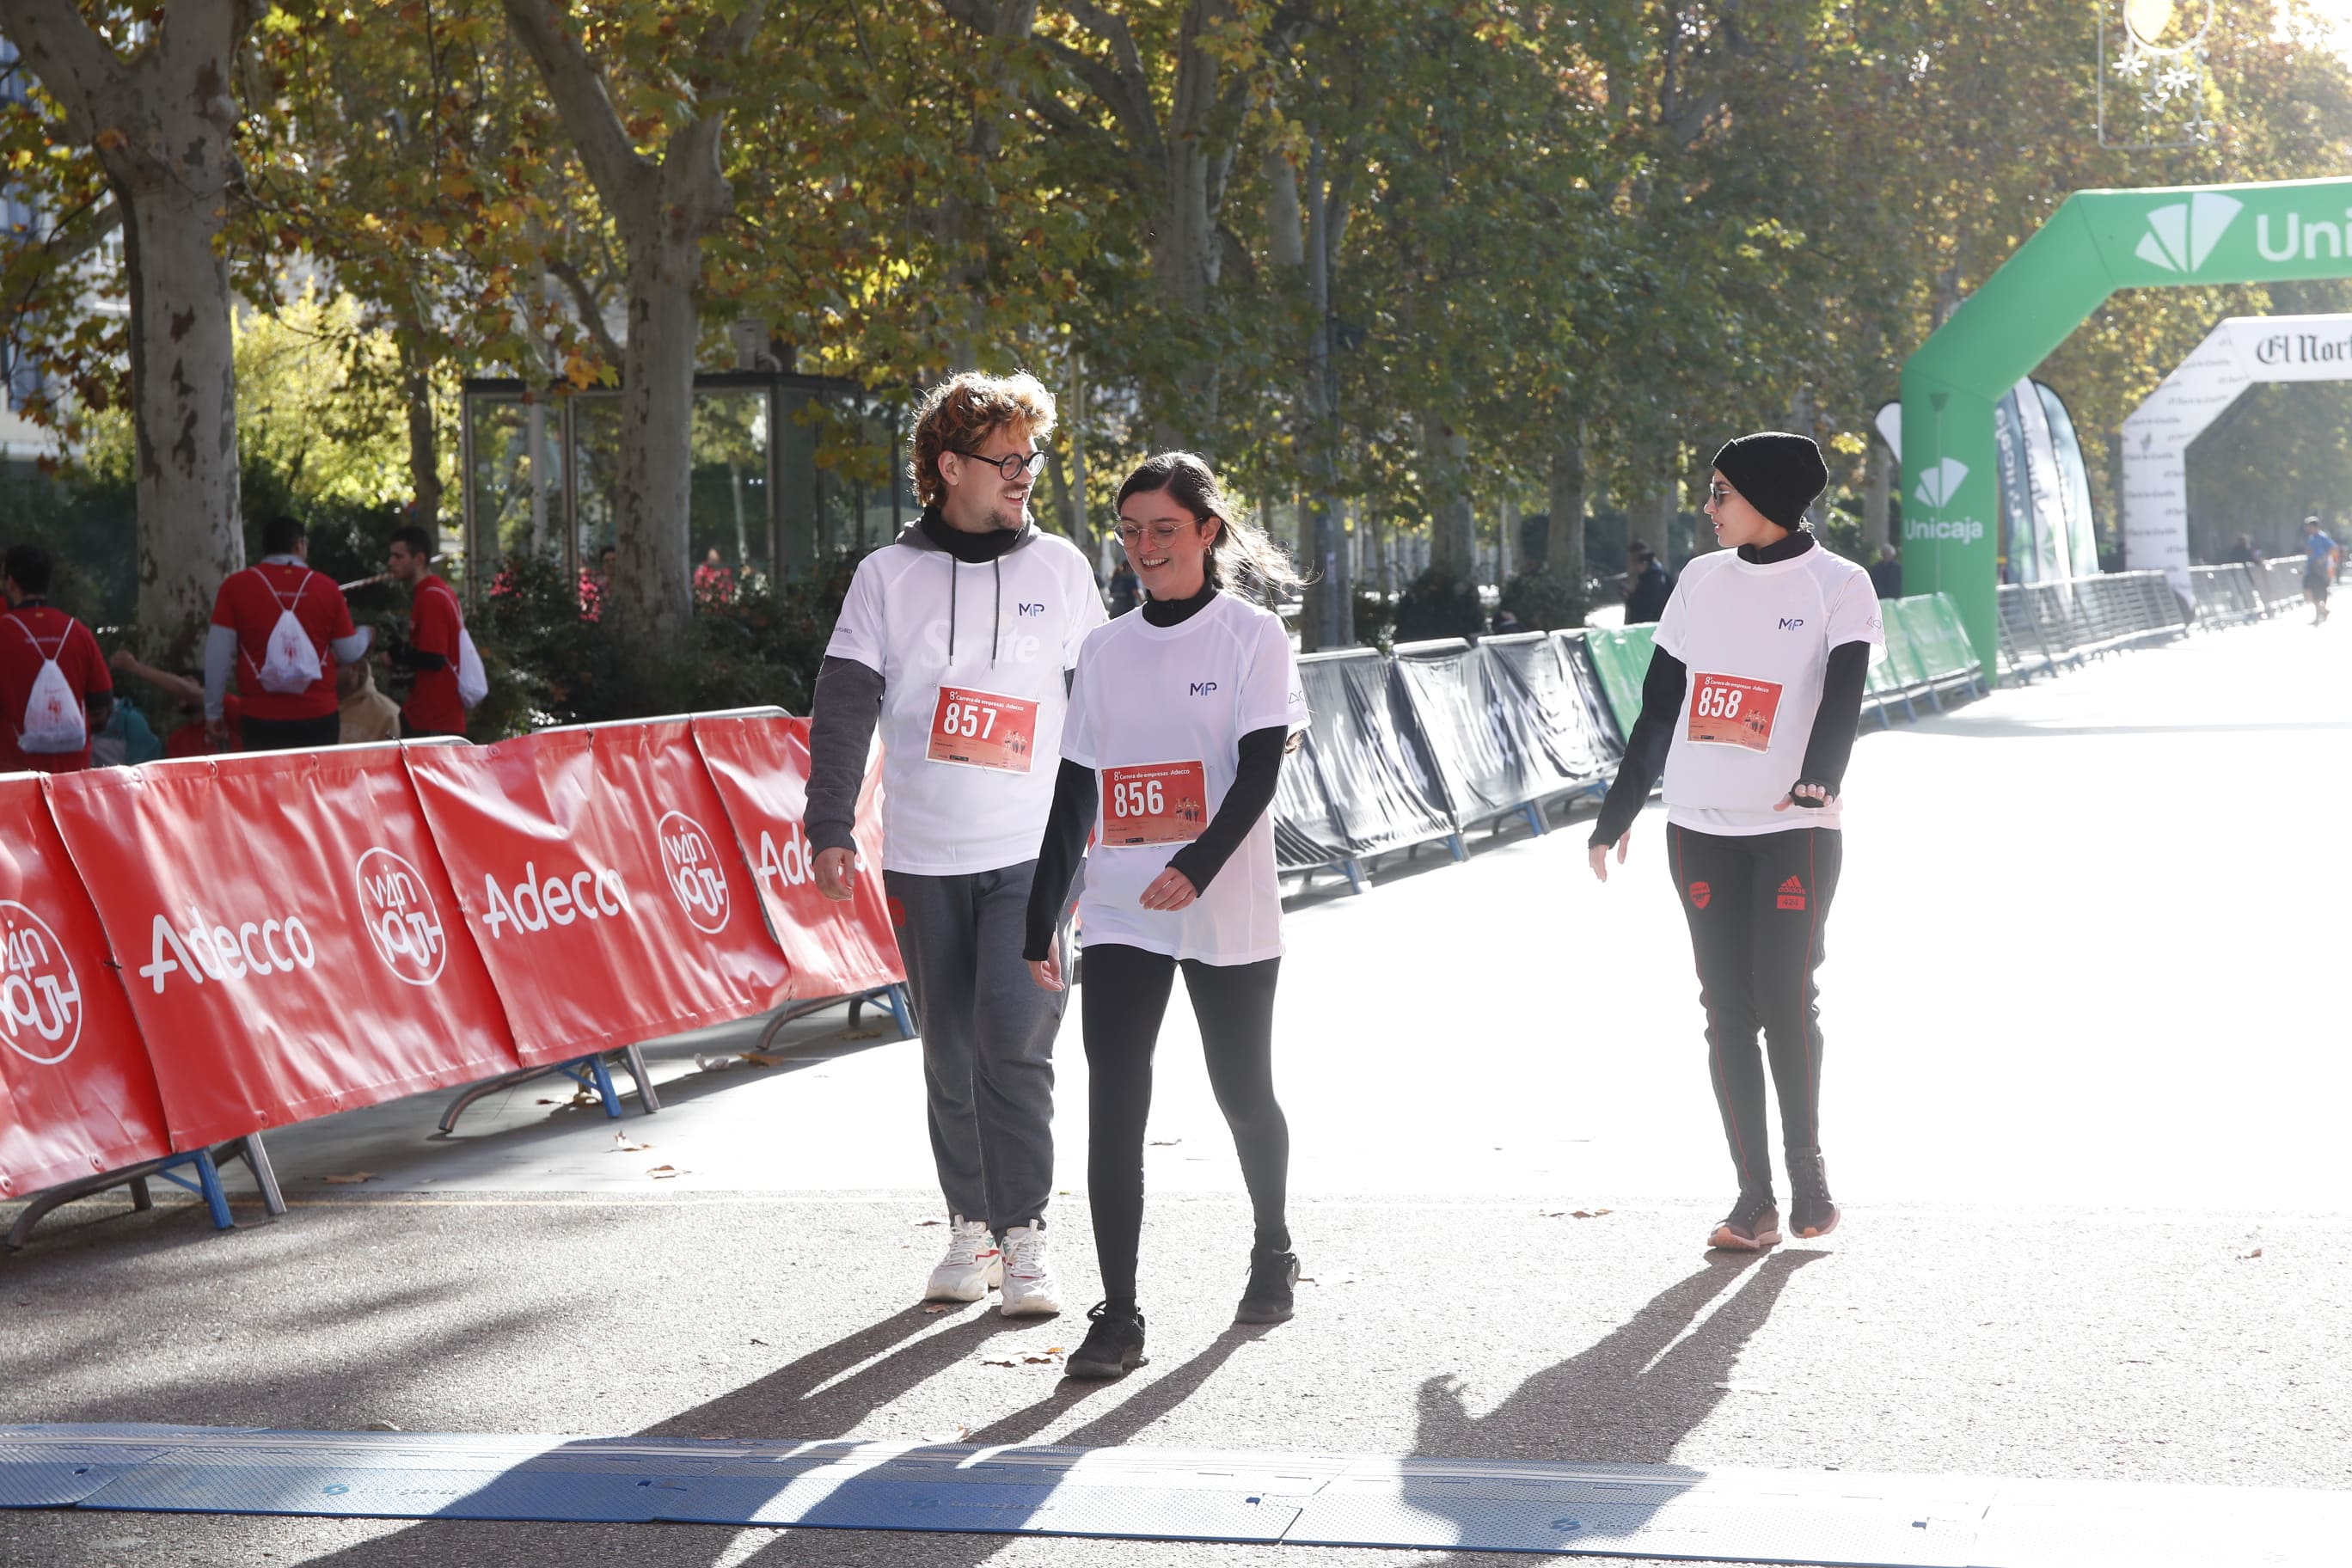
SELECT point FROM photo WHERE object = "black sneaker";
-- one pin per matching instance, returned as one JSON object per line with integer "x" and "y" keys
{"x": 1753, "y": 1224}
{"x": 1811, "y": 1212}
{"x": 1267, "y": 1299}
{"x": 1113, "y": 1347}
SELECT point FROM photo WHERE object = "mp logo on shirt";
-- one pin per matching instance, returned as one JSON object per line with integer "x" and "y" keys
{"x": 1033, "y": 609}
{"x": 402, "y": 919}
{"x": 1791, "y": 623}
{"x": 690, "y": 861}
{"x": 40, "y": 997}
{"x": 1202, "y": 688}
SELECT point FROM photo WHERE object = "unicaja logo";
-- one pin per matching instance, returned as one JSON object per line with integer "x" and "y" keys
{"x": 2181, "y": 235}
{"x": 40, "y": 999}
{"x": 401, "y": 917}
{"x": 690, "y": 859}
{"x": 1940, "y": 484}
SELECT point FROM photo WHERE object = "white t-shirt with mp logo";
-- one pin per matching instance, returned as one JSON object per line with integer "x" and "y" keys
{"x": 968, "y": 740}
{"x": 1158, "y": 712}
{"x": 1756, "y": 640}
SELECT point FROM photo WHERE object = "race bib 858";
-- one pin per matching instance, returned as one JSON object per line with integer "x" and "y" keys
{"x": 1732, "y": 710}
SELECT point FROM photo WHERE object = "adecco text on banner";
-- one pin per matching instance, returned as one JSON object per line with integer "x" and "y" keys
{"x": 403, "y": 918}
{"x": 40, "y": 996}
{"x": 790, "y": 867}
{"x": 593, "y": 894}
{"x": 690, "y": 858}
{"x": 209, "y": 951}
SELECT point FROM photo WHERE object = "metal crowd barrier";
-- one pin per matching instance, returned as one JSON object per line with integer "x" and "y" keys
{"x": 2048, "y": 627}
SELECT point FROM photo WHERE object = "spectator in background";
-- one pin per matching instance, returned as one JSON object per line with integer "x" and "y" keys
{"x": 2243, "y": 552}
{"x": 1126, "y": 593}
{"x": 279, "y": 627}
{"x": 714, "y": 583}
{"x": 1648, "y": 584}
{"x": 1507, "y": 623}
{"x": 1886, "y": 573}
{"x": 126, "y": 740}
{"x": 366, "y": 714}
{"x": 2320, "y": 559}
{"x": 189, "y": 739}
{"x": 595, "y": 585}
{"x": 435, "y": 625}
{"x": 55, "y": 692}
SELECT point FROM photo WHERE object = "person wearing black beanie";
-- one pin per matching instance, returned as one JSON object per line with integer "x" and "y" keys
{"x": 1749, "y": 712}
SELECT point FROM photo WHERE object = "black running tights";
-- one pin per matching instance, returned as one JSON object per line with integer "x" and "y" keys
{"x": 1121, "y": 1004}
{"x": 1756, "y": 905}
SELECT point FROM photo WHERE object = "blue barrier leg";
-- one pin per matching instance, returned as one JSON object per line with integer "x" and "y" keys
{"x": 1534, "y": 813}
{"x": 1354, "y": 872}
{"x": 1453, "y": 842}
{"x": 895, "y": 998}
{"x": 592, "y": 1073}
{"x": 206, "y": 1185}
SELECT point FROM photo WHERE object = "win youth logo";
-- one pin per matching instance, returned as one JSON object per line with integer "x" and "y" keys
{"x": 402, "y": 919}
{"x": 40, "y": 998}
{"x": 690, "y": 861}
{"x": 2181, "y": 235}
{"x": 1940, "y": 484}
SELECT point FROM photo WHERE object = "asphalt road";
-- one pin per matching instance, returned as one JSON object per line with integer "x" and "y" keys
{"x": 2083, "y": 1104}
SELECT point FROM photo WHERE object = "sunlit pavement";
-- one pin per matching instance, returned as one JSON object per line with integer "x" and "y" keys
{"x": 2083, "y": 1104}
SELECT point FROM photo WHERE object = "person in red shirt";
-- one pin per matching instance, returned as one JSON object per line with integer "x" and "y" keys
{"x": 435, "y": 622}
{"x": 32, "y": 635}
{"x": 282, "y": 710}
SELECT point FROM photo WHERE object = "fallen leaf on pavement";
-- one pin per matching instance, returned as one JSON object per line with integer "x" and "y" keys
{"x": 713, "y": 1062}
{"x": 955, "y": 1434}
{"x": 762, "y": 1060}
{"x": 921, "y": 1222}
{"x": 2256, "y": 1253}
{"x": 759, "y": 1342}
{"x": 620, "y": 1145}
{"x": 662, "y": 1172}
{"x": 551, "y": 1103}
{"x": 995, "y": 1360}
{"x": 861, "y": 1034}
{"x": 356, "y": 1176}
{"x": 1046, "y": 1359}
{"x": 1586, "y": 1213}
{"x": 935, "y": 1306}
{"x": 1166, "y": 1143}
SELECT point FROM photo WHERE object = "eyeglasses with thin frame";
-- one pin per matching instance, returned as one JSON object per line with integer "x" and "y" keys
{"x": 1719, "y": 493}
{"x": 1012, "y": 465}
{"x": 1161, "y": 533}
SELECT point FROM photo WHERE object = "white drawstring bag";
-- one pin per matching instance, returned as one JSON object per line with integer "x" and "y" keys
{"x": 473, "y": 680}
{"x": 53, "y": 723}
{"x": 289, "y": 662}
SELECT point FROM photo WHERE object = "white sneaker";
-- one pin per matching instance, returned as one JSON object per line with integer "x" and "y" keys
{"x": 972, "y": 1266}
{"x": 1030, "y": 1289}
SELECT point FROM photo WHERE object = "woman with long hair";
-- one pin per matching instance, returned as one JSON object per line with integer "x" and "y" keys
{"x": 1179, "y": 715}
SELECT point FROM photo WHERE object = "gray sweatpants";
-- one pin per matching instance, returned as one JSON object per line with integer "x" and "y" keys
{"x": 987, "y": 1039}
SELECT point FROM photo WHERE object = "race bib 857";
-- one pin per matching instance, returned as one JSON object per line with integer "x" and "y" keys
{"x": 983, "y": 729}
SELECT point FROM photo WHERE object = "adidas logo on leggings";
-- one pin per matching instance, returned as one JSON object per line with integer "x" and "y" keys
{"x": 1792, "y": 894}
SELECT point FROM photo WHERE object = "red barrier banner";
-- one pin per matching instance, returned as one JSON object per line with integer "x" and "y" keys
{"x": 761, "y": 766}
{"x": 285, "y": 933}
{"x": 77, "y": 1096}
{"x": 595, "y": 873}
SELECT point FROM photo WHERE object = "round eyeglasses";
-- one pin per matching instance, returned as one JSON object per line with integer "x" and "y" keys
{"x": 1012, "y": 465}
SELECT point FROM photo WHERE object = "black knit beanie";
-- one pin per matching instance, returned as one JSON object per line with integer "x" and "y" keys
{"x": 1779, "y": 474}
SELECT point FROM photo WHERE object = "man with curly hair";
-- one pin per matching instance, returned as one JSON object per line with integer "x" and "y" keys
{"x": 956, "y": 638}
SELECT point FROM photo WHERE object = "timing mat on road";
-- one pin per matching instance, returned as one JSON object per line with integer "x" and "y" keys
{"x": 1636, "y": 1510}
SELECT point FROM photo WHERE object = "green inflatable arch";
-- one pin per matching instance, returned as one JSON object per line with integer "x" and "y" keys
{"x": 2095, "y": 243}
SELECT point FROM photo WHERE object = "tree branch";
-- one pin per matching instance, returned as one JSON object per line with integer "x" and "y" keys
{"x": 1125, "y": 86}
{"x": 592, "y": 315}
{"x": 75, "y": 64}
{"x": 627, "y": 182}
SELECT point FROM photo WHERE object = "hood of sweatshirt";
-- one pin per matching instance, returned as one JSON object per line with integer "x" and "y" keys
{"x": 930, "y": 534}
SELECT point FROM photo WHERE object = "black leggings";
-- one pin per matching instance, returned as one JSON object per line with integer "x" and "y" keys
{"x": 1756, "y": 905}
{"x": 1121, "y": 1004}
